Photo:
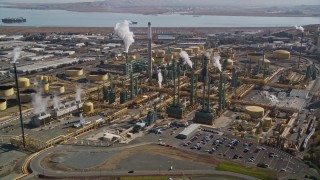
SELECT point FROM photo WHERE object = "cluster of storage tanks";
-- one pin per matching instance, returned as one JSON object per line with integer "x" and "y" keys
{"x": 161, "y": 56}
{"x": 27, "y": 89}
{"x": 91, "y": 76}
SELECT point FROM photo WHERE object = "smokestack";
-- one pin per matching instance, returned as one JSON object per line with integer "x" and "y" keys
{"x": 149, "y": 50}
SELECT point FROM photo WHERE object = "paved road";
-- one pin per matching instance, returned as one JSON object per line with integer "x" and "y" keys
{"x": 37, "y": 168}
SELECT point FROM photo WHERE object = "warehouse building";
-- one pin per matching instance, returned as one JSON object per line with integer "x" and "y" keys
{"x": 186, "y": 133}
{"x": 303, "y": 94}
{"x": 39, "y": 66}
{"x": 38, "y": 58}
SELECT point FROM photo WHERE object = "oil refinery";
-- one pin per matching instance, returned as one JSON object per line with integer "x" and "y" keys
{"x": 121, "y": 90}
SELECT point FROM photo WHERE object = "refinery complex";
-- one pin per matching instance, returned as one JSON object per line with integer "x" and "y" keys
{"x": 151, "y": 101}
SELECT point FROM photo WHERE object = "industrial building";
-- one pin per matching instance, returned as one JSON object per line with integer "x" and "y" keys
{"x": 189, "y": 131}
{"x": 40, "y": 66}
{"x": 303, "y": 94}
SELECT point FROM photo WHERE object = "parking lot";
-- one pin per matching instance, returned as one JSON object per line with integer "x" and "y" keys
{"x": 237, "y": 149}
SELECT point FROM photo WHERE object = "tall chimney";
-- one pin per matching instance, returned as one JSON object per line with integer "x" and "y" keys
{"x": 149, "y": 50}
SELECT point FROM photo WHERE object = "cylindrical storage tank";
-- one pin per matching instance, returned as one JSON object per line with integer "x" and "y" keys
{"x": 123, "y": 57}
{"x": 189, "y": 51}
{"x": 160, "y": 60}
{"x": 161, "y": 53}
{"x": 178, "y": 50}
{"x": 88, "y": 107}
{"x": 123, "y": 97}
{"x": 132, "y": 57}
{"x": 45, "y": 79}
{"x": 3, "y": 104}
{"x": 39, "y": 78}
{"x": 267, "y": 122}
{"x": 154, "y": 53}
{"x": 195, "y": 49}
{"x": 97, "y": 76}
{"x": 25, "y": 96}
{"x": 6, "y": 91}
{"x": 264, "y": 63}
{"x": 255, "y": 111}
{"x": 57, "y": 88}
{"x": 74, "y": 72}
{"x": 232, "y": 55}
{"x": 229, "y": 62}
{"x": 242, "y": 134}
{"x": 45, "y": 87}
{"x": 254, "y": 57}
{"x": 169, "y": 57}
{"x": 23, "y": 82}
{"x": 281, "y": 54}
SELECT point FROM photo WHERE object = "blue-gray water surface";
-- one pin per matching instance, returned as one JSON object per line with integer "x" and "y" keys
{"x": 61, "y": 18}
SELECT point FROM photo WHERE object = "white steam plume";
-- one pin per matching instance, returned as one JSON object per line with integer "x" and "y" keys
{"x": 265, "y": 94}
{"x": 39, "y": 104}
{"x": 56, "y": 102}
{"x": 216, "y": 62}
{"x": 122, "y": 30}
{"x": 16, "y": 54}
{"x": 185, "y": 57}
{"x": 78, "y": 93}
{"x": 35, "y": 82}
{"x": 300, "y": 28}
{"x": 160, "y": 78}
{"x": 274, "y": 100}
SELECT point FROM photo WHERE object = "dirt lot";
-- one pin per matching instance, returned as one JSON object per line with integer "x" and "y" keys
{"x": 115, "y": 160}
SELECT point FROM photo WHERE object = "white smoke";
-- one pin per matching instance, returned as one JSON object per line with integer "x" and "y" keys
{"x": 39, "y": 104}
{"x": 274, "y": 100}
{"x": 216, "y": 62}
{"x": 35, "y": 82}
{"x": 122, "y": 30}
{"x": 16, "y": 54}
{"x": 185, "y": 57}
{"x": 78, "y": 93}
{"x": 265, "y": 94}
{"x": 300, "y": 28}
{"x": 56, "y": 102}
{"x": 160, "y": 78}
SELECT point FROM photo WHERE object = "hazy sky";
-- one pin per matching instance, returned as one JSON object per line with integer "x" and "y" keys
{"x": 187, "y": 2}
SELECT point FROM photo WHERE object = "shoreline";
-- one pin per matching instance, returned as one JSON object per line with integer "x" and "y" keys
{"x": 11, "y": 30}
{"x": 159, "y": 11}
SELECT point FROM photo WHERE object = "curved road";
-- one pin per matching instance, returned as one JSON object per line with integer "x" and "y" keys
{"x": 38, "y": 169}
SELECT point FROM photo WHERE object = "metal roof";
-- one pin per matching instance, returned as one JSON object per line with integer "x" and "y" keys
{"x": 189, "y": 129}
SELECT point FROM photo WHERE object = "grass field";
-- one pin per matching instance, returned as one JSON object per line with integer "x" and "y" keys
{"x": 167, "y": 177}
{"x": 264, "y": 174}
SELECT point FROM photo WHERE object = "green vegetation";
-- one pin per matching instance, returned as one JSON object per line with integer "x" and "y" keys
{"x": 167, "y": 177}
{"x": 263, "y": 174}
{"x": 144, "y": 178}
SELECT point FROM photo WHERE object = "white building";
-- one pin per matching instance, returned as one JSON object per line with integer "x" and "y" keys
{"x": 303, "y": 94}
{"x": 37, "y": 58}
{"x": 187, "y": 132}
